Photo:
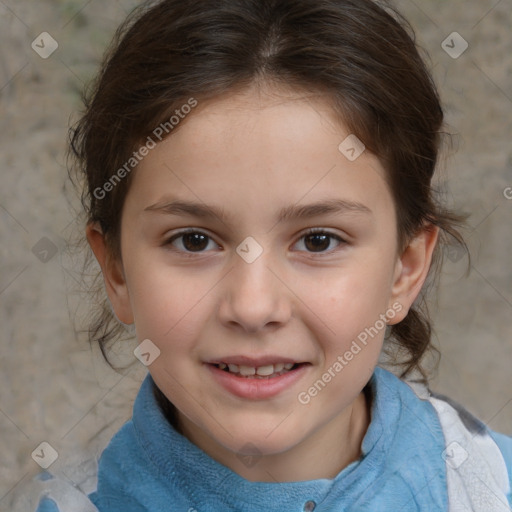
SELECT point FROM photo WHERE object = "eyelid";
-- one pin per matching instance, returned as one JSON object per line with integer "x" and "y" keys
{"x": 185, "y": 231}
{"x": 315, "y": 230}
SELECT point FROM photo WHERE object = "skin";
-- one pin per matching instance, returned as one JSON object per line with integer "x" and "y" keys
{"x": 251, "y": 154}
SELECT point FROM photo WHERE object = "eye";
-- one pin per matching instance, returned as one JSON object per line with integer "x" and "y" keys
{"x": 319, "y": 241}
{"x": 191, "y": 241}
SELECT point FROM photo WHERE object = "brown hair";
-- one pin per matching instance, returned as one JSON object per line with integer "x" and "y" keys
{"x": 359, "y": 54}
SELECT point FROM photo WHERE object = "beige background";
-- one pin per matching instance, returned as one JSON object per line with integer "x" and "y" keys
{"x": 54, "y": 388}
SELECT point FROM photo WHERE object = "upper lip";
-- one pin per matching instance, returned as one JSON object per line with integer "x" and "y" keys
{"x": 254, "y": 362}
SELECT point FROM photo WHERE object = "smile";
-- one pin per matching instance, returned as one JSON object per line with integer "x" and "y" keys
{"x": 257, "y": 379}
{"x": 268, "y": 371}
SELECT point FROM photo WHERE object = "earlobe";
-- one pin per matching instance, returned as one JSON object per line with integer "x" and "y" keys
{"x": 113, "y": 275}
{"x": 412, "y": 268}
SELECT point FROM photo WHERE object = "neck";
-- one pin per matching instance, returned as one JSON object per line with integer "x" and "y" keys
{"x": 322, "y": 455}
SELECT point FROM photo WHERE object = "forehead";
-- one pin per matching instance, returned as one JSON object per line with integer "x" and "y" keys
{"x": 271, "y": 117}
{"x": 257, "y": 149}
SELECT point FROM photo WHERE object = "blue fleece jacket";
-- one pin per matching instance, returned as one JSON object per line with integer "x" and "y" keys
{"x": 149, "y": 467}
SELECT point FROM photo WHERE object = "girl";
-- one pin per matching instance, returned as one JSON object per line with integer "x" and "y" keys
{"x": 258, "y": 192}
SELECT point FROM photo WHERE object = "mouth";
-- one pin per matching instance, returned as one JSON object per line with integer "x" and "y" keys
{"x": 268, "y": 371}
{"x": 257, "y": 378}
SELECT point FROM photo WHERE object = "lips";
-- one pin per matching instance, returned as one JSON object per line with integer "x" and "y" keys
{"x": 257, "y": 379}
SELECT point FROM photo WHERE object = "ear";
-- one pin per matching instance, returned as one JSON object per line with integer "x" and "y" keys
{"x": 113, "y": 274}
{"x": 411, "y": 270}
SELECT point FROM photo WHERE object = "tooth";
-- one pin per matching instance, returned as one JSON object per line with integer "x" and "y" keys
{"x": 233, "y": 368}
{"x": 265, "y": 370}
{"x": 288, "y": 366}
{"x": 246, "y": 370}
{"x": 223, "y": 366}
{"x": 278, "y": 367}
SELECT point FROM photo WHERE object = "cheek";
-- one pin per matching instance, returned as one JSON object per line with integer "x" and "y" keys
{"x": 167, "y": 302}
{"x": 357, "y": 294}
{"x": 350, "y": 305}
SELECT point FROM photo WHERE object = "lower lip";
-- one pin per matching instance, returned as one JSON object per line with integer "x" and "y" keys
{"x": 254, "y": 388}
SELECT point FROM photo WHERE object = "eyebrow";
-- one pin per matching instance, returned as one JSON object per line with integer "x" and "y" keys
{"x": 201, "y": 210}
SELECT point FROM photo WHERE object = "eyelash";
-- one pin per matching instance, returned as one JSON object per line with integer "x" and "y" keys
{"x": 309, "y": 232}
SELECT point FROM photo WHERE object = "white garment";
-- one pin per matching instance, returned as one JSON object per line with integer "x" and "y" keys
{"x": 476, "y": 472}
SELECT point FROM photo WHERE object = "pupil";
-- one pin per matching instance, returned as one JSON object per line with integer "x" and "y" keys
{"x": 319, "y": 242}
{"x": 195, "y": 241}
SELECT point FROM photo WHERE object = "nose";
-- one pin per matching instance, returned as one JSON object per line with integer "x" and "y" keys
{"x": 255, "y": 298}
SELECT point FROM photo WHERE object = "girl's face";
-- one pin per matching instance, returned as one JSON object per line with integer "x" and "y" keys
{"x": 221, "y": 272}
